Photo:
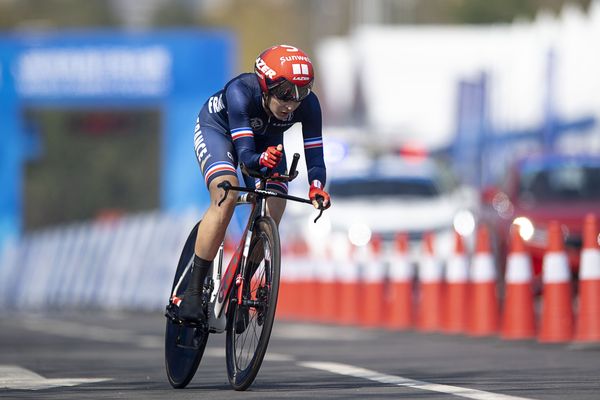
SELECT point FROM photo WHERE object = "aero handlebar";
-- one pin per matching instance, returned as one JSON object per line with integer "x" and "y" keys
{"x": 270, "y": 176}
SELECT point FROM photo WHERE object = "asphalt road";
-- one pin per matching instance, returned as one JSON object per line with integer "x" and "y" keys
{"x": 120, "y": 356}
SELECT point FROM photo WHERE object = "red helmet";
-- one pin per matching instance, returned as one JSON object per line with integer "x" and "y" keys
{"x": 285, "y": 72}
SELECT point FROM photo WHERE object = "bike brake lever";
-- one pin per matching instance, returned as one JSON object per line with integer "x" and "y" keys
{"x": 225, "y": 185}
{"x": 319, "y": 216}
{"x": 321, "y": 208}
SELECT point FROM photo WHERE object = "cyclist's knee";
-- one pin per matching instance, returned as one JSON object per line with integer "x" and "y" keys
{"x": 216, "y": 195}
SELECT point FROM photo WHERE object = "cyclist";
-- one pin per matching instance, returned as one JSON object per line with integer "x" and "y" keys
{"x": 244, "y": 123}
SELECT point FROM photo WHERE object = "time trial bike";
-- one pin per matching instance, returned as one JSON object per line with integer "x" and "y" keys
{"x": 240, "y": 300}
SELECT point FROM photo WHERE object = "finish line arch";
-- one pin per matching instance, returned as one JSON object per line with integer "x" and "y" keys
{"x": 171, "y": 70}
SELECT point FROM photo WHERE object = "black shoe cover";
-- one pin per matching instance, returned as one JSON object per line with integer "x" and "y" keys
{"x": 192, "y": 308}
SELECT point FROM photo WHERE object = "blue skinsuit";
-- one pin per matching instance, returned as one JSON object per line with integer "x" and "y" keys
{"x": 233, "y": 127}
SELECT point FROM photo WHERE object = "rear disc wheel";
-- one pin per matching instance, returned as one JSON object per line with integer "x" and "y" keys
{"x": 184, "y": 344}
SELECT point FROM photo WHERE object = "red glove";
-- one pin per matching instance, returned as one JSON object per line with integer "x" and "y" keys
{"x": 317, "y": 191}
{"x": 271, "y": 157}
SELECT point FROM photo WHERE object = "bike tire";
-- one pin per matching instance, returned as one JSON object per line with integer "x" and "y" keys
{"x": 245, "y": 350}
{"x": 184, "y": 345}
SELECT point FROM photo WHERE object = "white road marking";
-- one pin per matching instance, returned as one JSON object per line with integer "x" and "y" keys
{"x": 357, "y": 372}
{"x": 297, "y": 331}
{"x": 15, "y": 377}
{"x": 314, "y": 332}
{"x": 279, "y": 357}
{"x": 98, "y": 333}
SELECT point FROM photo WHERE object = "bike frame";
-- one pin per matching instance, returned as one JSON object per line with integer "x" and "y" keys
{"x": 224, "y": 281}
{"x": 237, "y": 265}
{"x": 236, "y": 268}
{"x": 233, "y": 275}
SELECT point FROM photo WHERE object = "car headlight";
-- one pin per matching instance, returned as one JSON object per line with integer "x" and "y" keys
{"x": 526, "y": 228}
{"x": 464, "y": 223}
{"x": 359, "y": 234}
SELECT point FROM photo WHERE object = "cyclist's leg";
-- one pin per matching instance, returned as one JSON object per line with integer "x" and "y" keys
{"x": 276, "y": 207}
{"x": 216, "y": 218}
{"x": 215, "y": 153}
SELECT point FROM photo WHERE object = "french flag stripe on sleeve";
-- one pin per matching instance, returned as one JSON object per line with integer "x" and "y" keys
{"x": 239, "y": 133}
{"x": 313, "y": 143}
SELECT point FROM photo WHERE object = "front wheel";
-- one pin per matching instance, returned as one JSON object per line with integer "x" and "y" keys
{"x": 184, "y": 345}
{"x": 249, "y": 324}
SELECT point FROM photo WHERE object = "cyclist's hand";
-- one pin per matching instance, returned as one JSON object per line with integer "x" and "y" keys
{"x": 315, "y": 192}
{"x": 271, "y": 157}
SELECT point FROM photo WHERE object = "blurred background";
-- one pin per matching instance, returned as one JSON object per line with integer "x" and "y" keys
{"x": 439, "y": 116}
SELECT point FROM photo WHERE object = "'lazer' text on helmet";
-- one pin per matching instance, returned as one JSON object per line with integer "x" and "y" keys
{"x": 264, "y": 68}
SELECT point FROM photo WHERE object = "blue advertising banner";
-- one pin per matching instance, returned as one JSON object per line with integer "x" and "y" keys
{"x": 172, "y": 70}
{"x": 113, "y": 66}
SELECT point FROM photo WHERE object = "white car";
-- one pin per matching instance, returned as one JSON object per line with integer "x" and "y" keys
{"x": 394, "y": 195}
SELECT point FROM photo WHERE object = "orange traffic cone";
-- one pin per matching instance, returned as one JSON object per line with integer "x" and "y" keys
{"x": 328, "y": 296}
{"x": 430, "y": 288}
{"x": 297, "y": 298}
{"x": 373, "y": 285}
{"x": 518, "y": 315}
{"x": 588, "y": 321}
{"x": 305, "y": 283}
{"x": 348, "y": 272}
{"x": 556, "y": 323}
{"x": 456, "y": 289}
{"x": 401, "y": 276}
{"x": 484, "y": 312}
{"x": 286, "y": 283}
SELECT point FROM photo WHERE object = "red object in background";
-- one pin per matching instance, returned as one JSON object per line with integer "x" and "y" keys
{"x": 109, "y": 122}
{"x": 430, "y": 303}
{"x": 484, "y": 312}
{"x": 414, "y": 152}
{"x": 588, "y": 318}
{"x": 518, "y": 313}
{"x": 373, "y": 286}
{"x": 109, "y": 215}
{"x": 401, "y": 275}
{"x": 456, "y": 290}
{"x": 556, "y": 320}
{"x": 542, "y": 188}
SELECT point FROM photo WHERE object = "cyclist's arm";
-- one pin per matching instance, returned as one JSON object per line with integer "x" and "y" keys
{"x": 313, "y": 140}
{"x": 238, "y": 99}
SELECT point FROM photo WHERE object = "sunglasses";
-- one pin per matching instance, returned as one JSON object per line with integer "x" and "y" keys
{"x": 287, "y": 91}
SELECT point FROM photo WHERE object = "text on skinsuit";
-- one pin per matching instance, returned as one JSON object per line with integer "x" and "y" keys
{"x": 199, "y": 144}
{"x": 215, "y": 104}
{"x": 264, "y": 68}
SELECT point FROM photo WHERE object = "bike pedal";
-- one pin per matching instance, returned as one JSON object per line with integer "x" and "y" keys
{"x": 187, "y": 324}
{"x": 193, "y": 324}
{"x": 171, "y": 313}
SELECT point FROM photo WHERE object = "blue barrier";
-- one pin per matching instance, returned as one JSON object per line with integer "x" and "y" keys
{"x": 125, "y": 264}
